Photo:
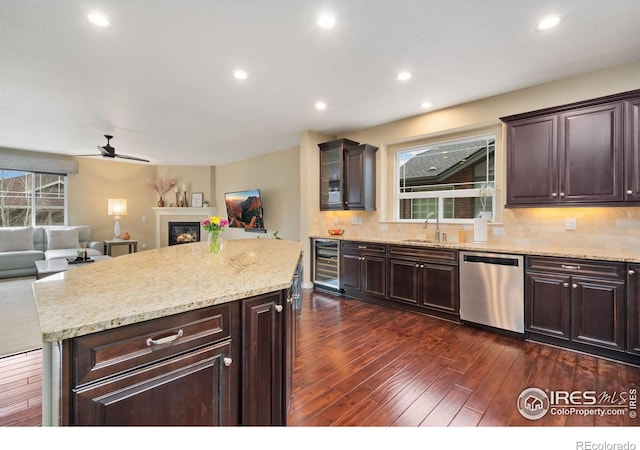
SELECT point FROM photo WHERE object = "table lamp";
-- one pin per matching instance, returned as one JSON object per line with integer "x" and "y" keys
{"x": 117, "y": 207}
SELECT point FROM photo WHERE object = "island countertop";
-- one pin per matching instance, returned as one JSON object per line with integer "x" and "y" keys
{"x": 160, "y": 282}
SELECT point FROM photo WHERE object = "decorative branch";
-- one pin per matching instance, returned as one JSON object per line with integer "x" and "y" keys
{"x": 162, "y": 185}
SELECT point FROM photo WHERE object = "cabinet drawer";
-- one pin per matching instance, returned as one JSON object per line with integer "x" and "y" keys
{"x": 583, "y": 267}
{"x": 363, "y": 247}
{"x": 113, "y": 351}
{"x": 435, "y": 254}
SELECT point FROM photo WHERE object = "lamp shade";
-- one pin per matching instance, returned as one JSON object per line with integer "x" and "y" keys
{"x": 117, "y": 207}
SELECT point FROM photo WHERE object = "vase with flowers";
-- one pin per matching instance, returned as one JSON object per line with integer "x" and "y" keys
{"x": 162, "y": 186}
{"x": 214, "y": 226}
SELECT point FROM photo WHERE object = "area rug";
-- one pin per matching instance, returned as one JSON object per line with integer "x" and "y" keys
{"x": 19, "y": 326}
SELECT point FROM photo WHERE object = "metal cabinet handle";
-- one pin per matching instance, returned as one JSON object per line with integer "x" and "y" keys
{"x": 565, "y": 284}
{"x": 554, "y": 195}
{"x": 165, "y": 340}
{"x": 629, "y": 192}
{"x": 417, "y": 266}
{"x": 564, "y": 266}
{"x": 422, "y": 266}
{"x": 562, "y": 194}
{"x": 227, "y": 361}
{"x": 279, "y": 308}
{"x": 632, "y": 272}
{"x": 574, "y": 285}
{"x": 362, "y": 246}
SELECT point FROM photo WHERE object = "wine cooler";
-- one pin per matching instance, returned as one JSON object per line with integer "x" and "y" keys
{"x": 326, "y": 261}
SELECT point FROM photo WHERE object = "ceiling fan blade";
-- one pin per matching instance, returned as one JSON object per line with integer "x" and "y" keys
{"x": 130, "y": 157}
{"x": 107, "y": 151}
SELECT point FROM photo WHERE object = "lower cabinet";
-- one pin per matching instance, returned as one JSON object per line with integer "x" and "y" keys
{"x": 633, "y": 309}
{"x": 578, "y": 303}
{"x": 262, "y": 368}
{"x": 426, "y": 278}
{"x": 363, "y": 269}
{"x": 229, "y": 364}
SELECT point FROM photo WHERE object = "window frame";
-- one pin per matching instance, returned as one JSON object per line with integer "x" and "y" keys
{"x": 33, "y": 198}
{"x": 441, "y": 195}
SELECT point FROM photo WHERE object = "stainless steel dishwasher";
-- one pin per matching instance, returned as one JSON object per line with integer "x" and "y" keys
{"x": 492, "y": 290}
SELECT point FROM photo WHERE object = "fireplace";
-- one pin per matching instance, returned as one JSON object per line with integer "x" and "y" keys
{"x": 183, "y": 232}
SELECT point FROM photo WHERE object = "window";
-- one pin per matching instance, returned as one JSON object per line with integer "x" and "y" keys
{"x": 31, "y": 198}
{"x": 454, "y": 180}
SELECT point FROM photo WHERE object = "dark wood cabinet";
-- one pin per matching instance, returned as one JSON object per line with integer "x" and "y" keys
{"x": 262, "y": 369}
{"x": 579, "y": 303}
{"x": 347, "y": 175}
{"x": 230, "y": 364}
{"x": 633, "y": 309}
{"x": 632, "y": 149}
{"x": 363, "y": 269}
{"x": 186, "y": 390}
{"x": 575, "y": 154}
{"x": 177, "y": 370}
{"x": 426, "y": 278}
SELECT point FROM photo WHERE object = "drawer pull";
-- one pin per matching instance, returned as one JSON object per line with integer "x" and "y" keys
{"x": 165, "y": 340}
{"x": 565, "y": 284}
{"x": 279, "y": 308}
{"x": 227, "y": 361}
{"x": 632, "y": 272}
{"x": 564, "y": 266}
{"x": 574, "y": 285}
{"x": 364, "y": 247}
{"x": 629, "y": 192}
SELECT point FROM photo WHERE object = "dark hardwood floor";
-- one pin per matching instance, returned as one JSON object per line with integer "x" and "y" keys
{"x": 360, "y": 364}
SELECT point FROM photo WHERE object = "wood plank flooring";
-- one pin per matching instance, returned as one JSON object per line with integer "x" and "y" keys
{"x": 360, "y": 364}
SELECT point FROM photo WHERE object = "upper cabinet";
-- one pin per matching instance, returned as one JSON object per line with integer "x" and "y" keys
{"x": 577, "y": 154}
{"x": 347, "y": 175}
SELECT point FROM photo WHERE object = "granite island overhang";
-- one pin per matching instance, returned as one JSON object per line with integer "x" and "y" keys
{"x": 150, "y": 285}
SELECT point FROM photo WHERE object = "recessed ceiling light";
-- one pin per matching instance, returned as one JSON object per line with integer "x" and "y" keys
{"x": 240, "y": 74}
{"x": 426, "y": 105}
{"x": 98, "y": 19}
{"x": 548, "y": 22}
{"x": 404, "y": 76}
{"x": 326, "y": 22}
{"x": 321, "y": 106}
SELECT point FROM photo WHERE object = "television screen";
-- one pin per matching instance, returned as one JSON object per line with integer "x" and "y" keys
{"x": 244, "y": 209}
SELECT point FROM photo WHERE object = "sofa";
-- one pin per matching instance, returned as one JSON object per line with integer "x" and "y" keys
{"x": 21, "y": 247}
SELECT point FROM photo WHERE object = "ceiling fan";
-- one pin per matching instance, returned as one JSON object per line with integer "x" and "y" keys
{"x": 108, "y": 151}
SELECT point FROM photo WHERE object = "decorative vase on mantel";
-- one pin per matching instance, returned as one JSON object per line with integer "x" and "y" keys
{"x": 161, "y": 202}
{"x": 215, "y": 241}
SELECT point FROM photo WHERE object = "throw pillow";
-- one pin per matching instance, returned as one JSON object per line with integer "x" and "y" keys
{"x": 15, "y": 239}
{"x": 61, "y": 239}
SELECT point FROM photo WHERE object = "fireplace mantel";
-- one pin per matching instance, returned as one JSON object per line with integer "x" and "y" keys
{"x": 197, "y": 213}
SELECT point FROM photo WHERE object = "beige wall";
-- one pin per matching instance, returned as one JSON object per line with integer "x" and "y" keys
{"x": 196, "y": 179}
{"x": 597, "y": 227}
{"x": 277, "y": 176}
{"x": 97, "y": 181}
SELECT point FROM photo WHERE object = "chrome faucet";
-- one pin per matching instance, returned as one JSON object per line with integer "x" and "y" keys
{"x": 426, "y": 224}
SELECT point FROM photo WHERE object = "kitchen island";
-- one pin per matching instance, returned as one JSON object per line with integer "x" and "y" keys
{"x": 127, "y": 339}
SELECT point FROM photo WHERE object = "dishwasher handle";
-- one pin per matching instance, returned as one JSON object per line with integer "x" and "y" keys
{"x": 495, "y": 260}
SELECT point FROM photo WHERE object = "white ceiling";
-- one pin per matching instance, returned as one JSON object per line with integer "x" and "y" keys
{"x": 160, "y": 79}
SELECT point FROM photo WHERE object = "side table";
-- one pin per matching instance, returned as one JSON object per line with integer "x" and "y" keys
{"x": 131, "y": 243}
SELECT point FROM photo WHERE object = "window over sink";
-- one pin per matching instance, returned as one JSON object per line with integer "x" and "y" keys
{"x": 453, "y": 179}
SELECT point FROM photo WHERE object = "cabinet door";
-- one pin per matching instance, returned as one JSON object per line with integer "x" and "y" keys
{"x": 360, "y": 177}
{"x": 633, "y": 309}
{"x": 350, "y": 267}
{"x": 374, "y": 275}
{"x": 262, "y": 370}
{"x": 632, "y": 150}
{"x": 532, "y": 174}
{"x": 440, "y": 287}
{"x": 590, "y": 156}
{"x": 331, "y": 176}
{"x": 598, "y": 312}
{"x": 404, "y": 280}
{"x": 547, "y": 305}
{"x": 190, "y": 389}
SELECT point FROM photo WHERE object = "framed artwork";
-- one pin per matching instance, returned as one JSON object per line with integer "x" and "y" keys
{"x": 196, "y": 199}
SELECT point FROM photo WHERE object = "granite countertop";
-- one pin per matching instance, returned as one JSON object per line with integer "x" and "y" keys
{"x": 535, "y": 250}
{"x": 160, "y": 282}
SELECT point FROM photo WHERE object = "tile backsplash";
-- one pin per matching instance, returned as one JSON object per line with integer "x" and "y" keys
{"x": 596, "y": 228}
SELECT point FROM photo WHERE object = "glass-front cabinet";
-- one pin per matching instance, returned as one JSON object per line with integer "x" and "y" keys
{"x": 347, "y": 175}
